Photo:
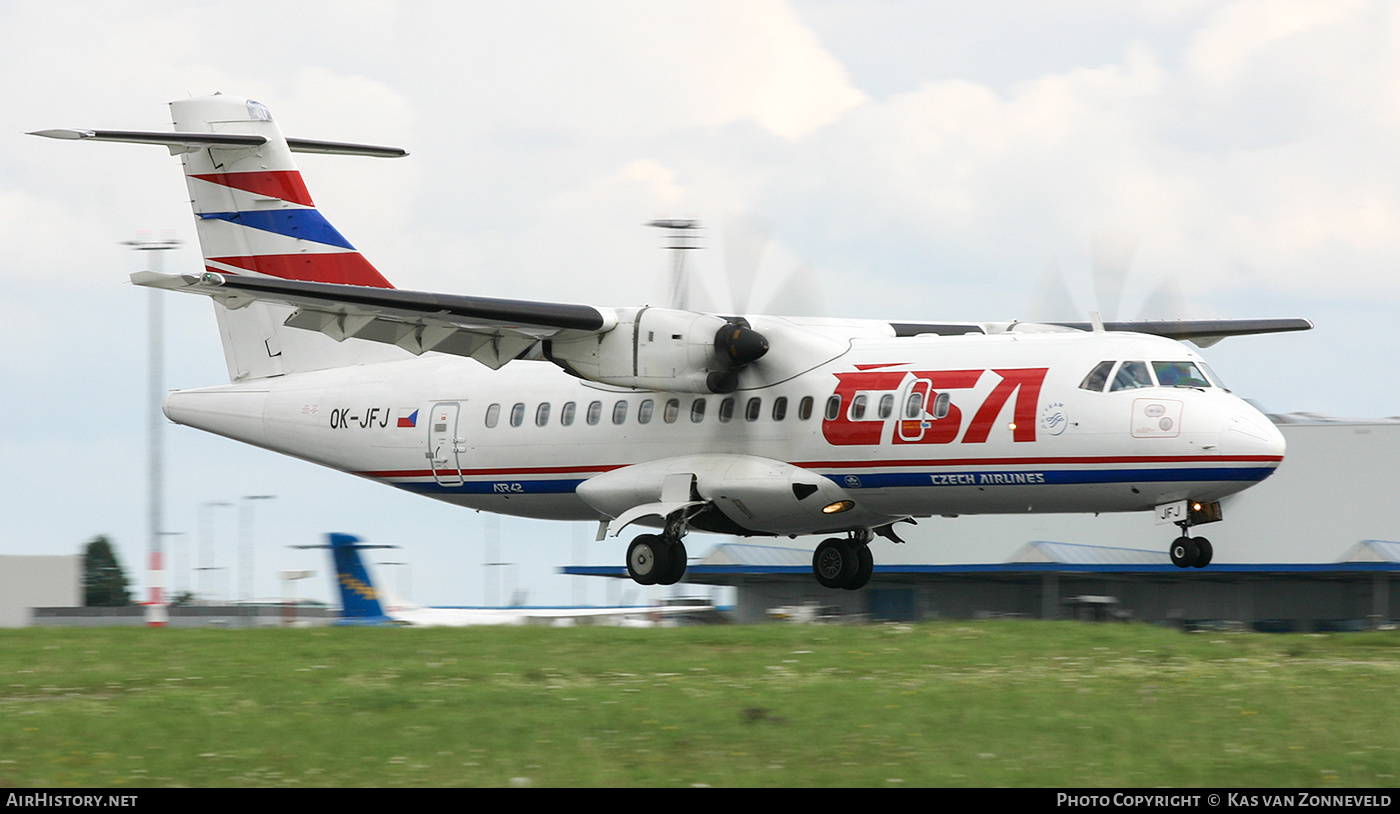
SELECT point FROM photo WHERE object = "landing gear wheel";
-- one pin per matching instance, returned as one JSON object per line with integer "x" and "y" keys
{"x": 1204, "y": 551}
{"x": 677, "y": 556}
{"x": 865, "y": 566}
{"x": 835, "y": 562}
{"x": 1184, "y": 552}
{"x": 648, "y": 558}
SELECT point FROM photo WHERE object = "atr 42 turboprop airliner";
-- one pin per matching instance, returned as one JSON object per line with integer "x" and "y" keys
{"x": 679, "y": 420}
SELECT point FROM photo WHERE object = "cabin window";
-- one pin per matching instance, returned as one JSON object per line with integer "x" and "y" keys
{"x": 493, "y": 415}
{"x": 941, "y": 404}
{"x": 887, "y": 405}
{"x": 914, "y": 405}
{"x": 1179, "y": 374}
{"x": 1132, "y": 375}
{"x": 804, "y": 408}
{"x": 833, "y": 407}
{"x": 542, "y": 414}
{"x": 1097, "y": 377}
{"x": 726, "y": 409}
{"x": 644, "y": 411}
{"x": 595, "y": 412}
{"x": 672, "y": 411}
{"x": 620, "y": 412}
{"x": 697, "y": 411}
{"x": 780, "y": 408}
{"x": 517, "y": 414}
{"x": 752, "y": 409}
{"x": 566, "y": 413}
{"x": 858, "y": 406}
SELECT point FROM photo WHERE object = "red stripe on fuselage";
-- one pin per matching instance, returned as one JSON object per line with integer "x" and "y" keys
{"x": 284, "y": 185}
{"x": 1118, "y": 459}
{"x": 1107, "y": 459}
{"x": 537, "y": 470}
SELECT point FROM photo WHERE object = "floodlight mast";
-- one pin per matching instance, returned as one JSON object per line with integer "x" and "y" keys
{"x": 156, "y": 613}
{"x": 682, "y": 235}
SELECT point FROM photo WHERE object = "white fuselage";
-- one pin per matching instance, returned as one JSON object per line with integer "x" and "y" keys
{"x": 1019, "y": 433}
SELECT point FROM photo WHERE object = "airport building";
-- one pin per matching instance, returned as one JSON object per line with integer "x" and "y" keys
{"x": 1312, "y": 548}
{"x": 38, "y": 581}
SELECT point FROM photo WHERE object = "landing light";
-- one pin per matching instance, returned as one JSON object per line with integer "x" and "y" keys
{"x": 1205, "y": 512}
{"x": 838, "y": 507}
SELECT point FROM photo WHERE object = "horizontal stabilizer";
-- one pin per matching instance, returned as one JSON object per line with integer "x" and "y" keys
{"x": 184, "y": 142}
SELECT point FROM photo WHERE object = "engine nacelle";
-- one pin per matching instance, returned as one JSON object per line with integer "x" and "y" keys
{"x": 760, "y": 495}
{"x": 651, "y": 348}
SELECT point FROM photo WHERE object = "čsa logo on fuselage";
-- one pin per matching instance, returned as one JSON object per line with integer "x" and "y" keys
{"x": 872, "y": 400}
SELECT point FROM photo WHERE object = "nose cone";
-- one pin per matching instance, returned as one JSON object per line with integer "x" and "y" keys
{"x": 1249, "y": 432}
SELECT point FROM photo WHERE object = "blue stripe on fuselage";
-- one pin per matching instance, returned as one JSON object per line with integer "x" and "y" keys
{"x": 882, "y": 480}
{"x": 493, "y": 487}
{"x": 879, "y": 480}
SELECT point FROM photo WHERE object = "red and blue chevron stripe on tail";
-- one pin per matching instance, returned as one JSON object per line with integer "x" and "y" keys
{"x": 322, "y": 254}
{"x": 254, "y": 213}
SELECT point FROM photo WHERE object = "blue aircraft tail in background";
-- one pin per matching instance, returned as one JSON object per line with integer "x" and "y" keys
{"x": 359, "y": 601}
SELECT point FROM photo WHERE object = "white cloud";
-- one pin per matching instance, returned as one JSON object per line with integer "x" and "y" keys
{"x": 1239, "y": 34}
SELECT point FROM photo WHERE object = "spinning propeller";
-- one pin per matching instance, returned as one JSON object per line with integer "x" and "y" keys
{"x": 1111, "y": 259}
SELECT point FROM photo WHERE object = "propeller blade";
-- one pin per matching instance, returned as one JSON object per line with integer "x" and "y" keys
{"x": 745, "y": 241}
{"x": 1112, "y": 254}
{"x": 800, "y": 295}
{"x": 1165, "y": 302}
{"x": 1051, "y": 301}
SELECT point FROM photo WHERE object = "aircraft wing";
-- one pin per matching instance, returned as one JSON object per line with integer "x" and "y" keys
{"x": 492, "y": 331}
{"x": 1203, "y": 332}
{"x": 496, "y": 331}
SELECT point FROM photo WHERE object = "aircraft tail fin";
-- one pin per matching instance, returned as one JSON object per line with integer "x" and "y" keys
{"x": 359, "y": 600}
{"x": 255, "y": 217}
{"x": 252, "y": 209}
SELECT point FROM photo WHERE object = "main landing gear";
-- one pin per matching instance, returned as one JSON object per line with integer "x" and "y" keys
{"x": 659, "y": 559}
{"x": 652, "y": 560}
{"x": 844, "y": 563}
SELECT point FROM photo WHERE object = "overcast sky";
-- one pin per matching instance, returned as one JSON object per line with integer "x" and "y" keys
{"x": 923, "y": 160}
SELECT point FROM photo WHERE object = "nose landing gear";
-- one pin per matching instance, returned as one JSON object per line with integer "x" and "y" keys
{"x": 1187, "y": 551}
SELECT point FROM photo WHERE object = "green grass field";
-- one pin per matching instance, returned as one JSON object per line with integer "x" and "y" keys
{"x": 947, "y": 704}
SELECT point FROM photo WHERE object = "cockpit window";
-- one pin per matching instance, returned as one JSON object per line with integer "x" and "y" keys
{"x": 1179, "y": 374}
{"x": 1131, "y": 375}
{"x": 1213, "y": 376}
{"x": 1097, "y": 377}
